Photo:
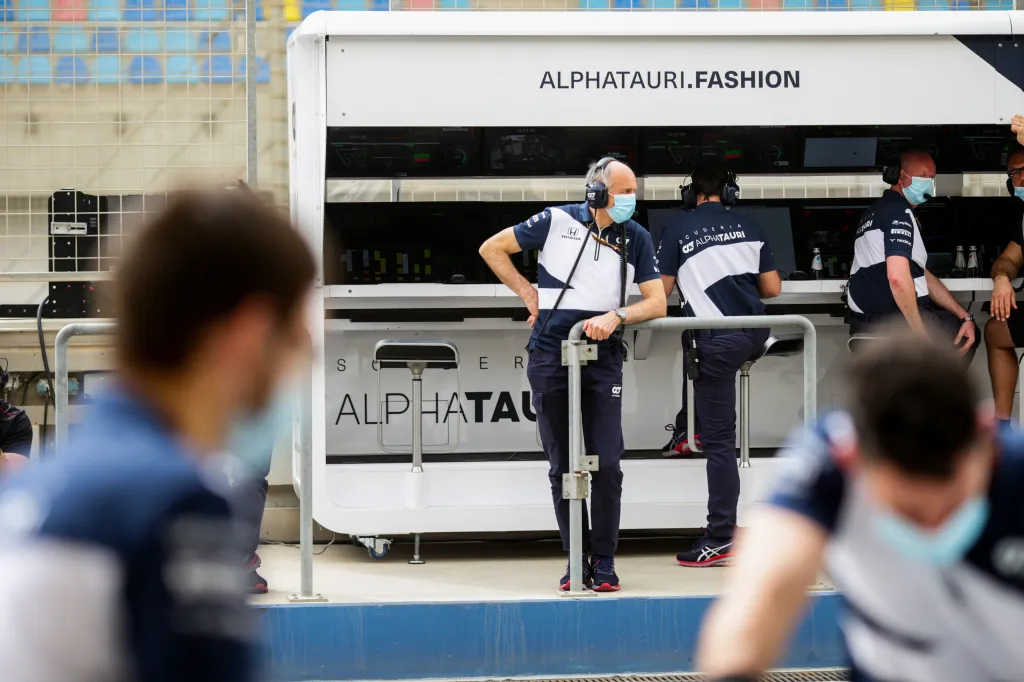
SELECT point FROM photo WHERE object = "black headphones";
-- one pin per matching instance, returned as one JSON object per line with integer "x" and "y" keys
{"x": 597, "y": 192}
{"x": 891, "y": 173}
{"x": 4, "y": 375}
{"x": 729, "y": 194}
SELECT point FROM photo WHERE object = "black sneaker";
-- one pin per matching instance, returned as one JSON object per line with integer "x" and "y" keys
{"x": 588, "y": 576}
{"x": 257, "y": 583}
{"x": 706, "y": 552}
{"x": 605, "y": 579}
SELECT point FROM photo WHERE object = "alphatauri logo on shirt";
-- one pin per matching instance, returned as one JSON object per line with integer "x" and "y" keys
{"x": 707, "y": 238}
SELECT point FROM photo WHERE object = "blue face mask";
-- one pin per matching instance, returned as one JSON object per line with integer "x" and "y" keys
{"x": 1019, "y": 193}
{"x": 252, "y": 439}
{"x": 941, "y": 547}
{"x": 624, "y": 208}
{"x": 918, "y": 187}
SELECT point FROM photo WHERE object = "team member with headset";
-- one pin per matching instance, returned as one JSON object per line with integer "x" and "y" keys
{"x": 914, "y": 500}
{"x": 1005, "y": 330}
{"x": 15, "y": 432}
{"x": 723, "y": 266}
{"x": 889, "y": 277}
{"x": 590, "y": 254}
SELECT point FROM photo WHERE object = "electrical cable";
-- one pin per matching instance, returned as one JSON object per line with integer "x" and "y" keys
{"x": 49, "y": 379}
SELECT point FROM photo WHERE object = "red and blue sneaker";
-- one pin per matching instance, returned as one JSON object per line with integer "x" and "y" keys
{"x": 678, "y": 445}
{"x": 707, "y": 551}
{"x": 588, "y": 576}
{"x": 605, "y": 579}
{"x": 257, "y": 584}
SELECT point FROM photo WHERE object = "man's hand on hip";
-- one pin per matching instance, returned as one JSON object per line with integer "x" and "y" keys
{"x": 601, "y": 327}
{"x": 1004, "y": 298}
{"x": 967, "y": 334}
{"x": 531, "y": 299}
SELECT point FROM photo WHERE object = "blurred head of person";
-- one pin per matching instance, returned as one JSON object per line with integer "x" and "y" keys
{"x": 924, "y": 445}
{"x": 211, "y": 300}
{"x": 917, "y": 176}
{"x": 1015, "y": 169}
{"x": 709, "y": 177}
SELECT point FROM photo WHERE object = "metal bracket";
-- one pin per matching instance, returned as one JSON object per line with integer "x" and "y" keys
{"x": 311, "y": 599}
{"x": 588, "y": 352}
{"x": 575, "y": 486}
{"x": 588, "y": 463}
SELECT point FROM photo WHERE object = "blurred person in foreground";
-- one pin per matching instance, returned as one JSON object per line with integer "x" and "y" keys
{"x": 916, "y": 502}
{"x": 120, "y": 561}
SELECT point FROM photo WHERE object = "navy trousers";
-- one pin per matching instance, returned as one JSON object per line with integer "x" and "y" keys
{"x": 601, "y": 401}
{"x": 721, "y": 354}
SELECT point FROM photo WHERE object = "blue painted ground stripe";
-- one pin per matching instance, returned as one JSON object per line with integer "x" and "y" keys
{"x": 560, "y": 637}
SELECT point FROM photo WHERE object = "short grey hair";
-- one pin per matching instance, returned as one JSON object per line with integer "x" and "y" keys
{"x": 598, "y": 171}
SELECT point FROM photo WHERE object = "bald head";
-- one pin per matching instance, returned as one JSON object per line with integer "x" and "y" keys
{"x": 917, "y": 164}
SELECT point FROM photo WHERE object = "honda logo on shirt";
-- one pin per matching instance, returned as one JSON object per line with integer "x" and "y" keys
{"x": 572, "y": 233}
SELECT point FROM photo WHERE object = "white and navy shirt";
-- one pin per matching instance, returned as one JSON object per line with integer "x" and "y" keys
{"x": 908, "y": 621}
{"x": 119, "y": 562}
{"x": 595, "y": 289}
{"x": 717, "y": 258}
{"x": 887, "y": 228}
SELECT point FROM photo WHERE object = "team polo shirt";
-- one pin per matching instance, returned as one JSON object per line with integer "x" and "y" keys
{"x": 716, "y": 257}
{"x": 560, "y": 232}
{"x": 887, "y": 228}
{"x": 908, "y": 621}
{"x": 119, "y": 561}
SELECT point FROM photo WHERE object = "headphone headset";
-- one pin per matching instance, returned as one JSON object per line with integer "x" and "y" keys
{"x": 891, "y": 173}
{"x": 4, "y": 375}
{"x": 597, "y": 192}
{"x": 729, "y": 193}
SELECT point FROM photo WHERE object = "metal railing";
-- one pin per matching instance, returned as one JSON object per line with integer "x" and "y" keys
{"x": 576, "y": 352}
{"x": 60, "y": 370}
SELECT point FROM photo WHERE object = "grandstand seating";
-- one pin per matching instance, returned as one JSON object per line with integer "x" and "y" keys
{"x": 113, "y": 41}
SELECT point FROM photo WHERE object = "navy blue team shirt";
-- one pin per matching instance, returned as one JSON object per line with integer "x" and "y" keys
{"x": 906, "y": 620}
{"x": 887, "y": 228}
{"x": 717, "y": 257}
{"x": 560, "y": 232}
{"x": 129, "y": 513}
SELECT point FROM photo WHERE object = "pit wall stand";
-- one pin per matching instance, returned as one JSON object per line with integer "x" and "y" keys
{"x": 576, "y": 353}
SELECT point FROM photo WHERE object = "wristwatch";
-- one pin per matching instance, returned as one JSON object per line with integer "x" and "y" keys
{"x": 969, "y": 318}
{"x": 622, "y": 315}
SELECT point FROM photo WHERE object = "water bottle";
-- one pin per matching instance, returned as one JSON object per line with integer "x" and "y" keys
{"x": 972, "y": 262}
{"x": 816, "y": 263}
{"x": 960, "y": 263}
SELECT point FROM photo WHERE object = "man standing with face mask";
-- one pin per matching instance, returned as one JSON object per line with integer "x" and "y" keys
{"x": 580, "y": 278}
{"x": 119, "y": 560}
{"x": 915, "y": 501}
{"x": 1004, "y": 332}
{"x": 889, "y": 277}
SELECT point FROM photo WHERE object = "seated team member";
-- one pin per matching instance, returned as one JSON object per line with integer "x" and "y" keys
{"x": 889, "y": 277}
{"x": 119, "y": 559}
{"x": 1005, "y": 330}
{"x": 916, "y": 502}
{"x": 15, "y": 435}
{"x": 724, "y": 267}
{"x": 588, "y": 235}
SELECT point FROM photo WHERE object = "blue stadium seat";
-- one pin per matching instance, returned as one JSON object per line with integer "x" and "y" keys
{"x": 380, "y": 5}
{"x": 145, "y": 70}
{"x": 797, "y": 4}
{"x": 9, "y": 40}
{"x": 833, "y": 5}
{"x": 181, "y": 40}
{"x": 997, "y": 4}
{"x": 105, "y": 10}
{"x": 6, "y": 13}
{"x": 310, "y": 6}
{"x": 262, "y": 70}
{"x": 695, "y": 4}
{"x": 215, "y": 42}
{"x": 107, "y": 69}
{"x": 8, "y": 74}
{"x": 32, "y": 10}
{"x": 71, "y": 39}
{"x": 142, "y": 40}
{"x": 663, "y": 4}
{"x": 176, "y": 10}
{"x": 360, "y": 5}
{"x": 182, "y": 69}
{"x": 730, "y": 4}
{"x": 106, "y": 39}
{"x": 218, "y": 69}
{"x": 595, "y": 4}
{"x": 141, "y": 10}
{"x": 210, "y": 10}
{"x": 34, "y": 70}
{"x": 34, "y": 39}
{"x": 873, "y": 5}
{"x": 71, "y": 70}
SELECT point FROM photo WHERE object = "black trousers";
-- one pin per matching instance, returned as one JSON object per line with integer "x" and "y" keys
{"x": 601, "y": 402}
{"x": 941, "y": 322}
{"x": 721, "y": 355}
